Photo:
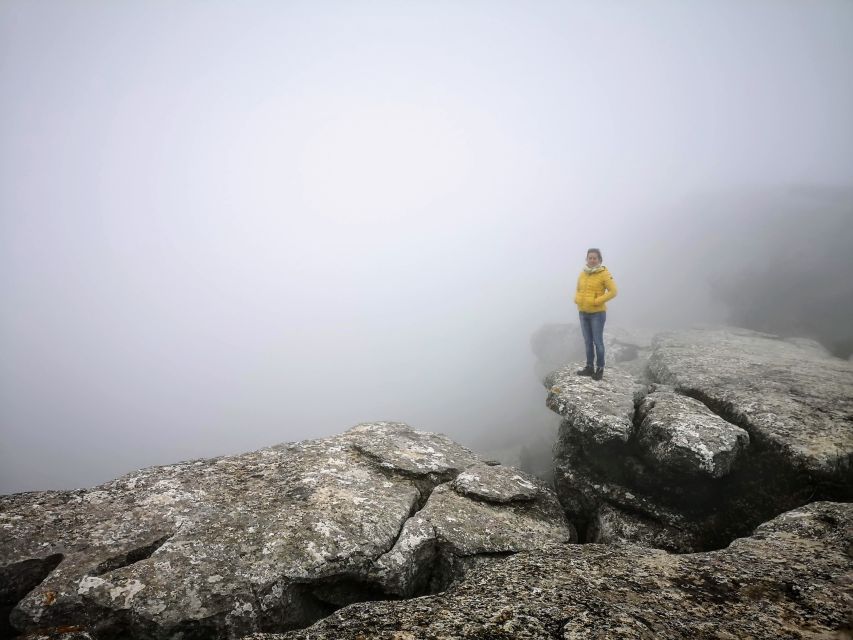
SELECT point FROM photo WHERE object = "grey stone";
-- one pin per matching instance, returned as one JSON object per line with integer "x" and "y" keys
{"x": 269, "y": 539}
{"x": 612, "y": 525}
{"x": 601, "y": 410}
{"x": 418, "y": 453}
{"x": 682, "y": 435}
{"x": 614, "y": 512}
{"x": 788, "y": 395}
{"x": 452, "y": 527}
{"x": 497, "y": 483}
{"x": 791, "y": 579}
{"x": 733, "y": 428}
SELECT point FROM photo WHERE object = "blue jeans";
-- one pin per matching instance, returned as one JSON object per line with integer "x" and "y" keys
{"x": 592, "y": 327}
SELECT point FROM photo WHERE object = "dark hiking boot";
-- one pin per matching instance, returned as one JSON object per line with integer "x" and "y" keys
{"x": 586, "y": 371}
{"x": 599, "y": 374}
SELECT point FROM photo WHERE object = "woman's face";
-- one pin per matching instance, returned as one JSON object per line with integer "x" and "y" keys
{"x": 592, "y": 259}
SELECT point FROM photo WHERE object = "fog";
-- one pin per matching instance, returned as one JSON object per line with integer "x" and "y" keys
{"x": 227, "y": 225}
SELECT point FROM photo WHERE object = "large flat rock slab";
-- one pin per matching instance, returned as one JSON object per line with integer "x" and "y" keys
{"x": 601, "y": 410}
{"x": 496, "y": 483}
{"x": 271, "y": 539}
{"x": 788, "y": 394}
{"x": 681, "y": 435}
{"x": 791, "y": 579}
{"x": 417, "y": 453}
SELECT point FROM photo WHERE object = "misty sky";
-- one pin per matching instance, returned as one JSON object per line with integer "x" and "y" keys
{"x": 225, "y": 225}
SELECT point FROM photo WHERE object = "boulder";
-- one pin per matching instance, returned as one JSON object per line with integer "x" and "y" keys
{"x": 788, "y": 394}
{"x": 614, "y": 525}
{"x": 453, "y": 528}
{"x": 791, "y": 579}
{"x": 496, "y": 483}
{"x": 601, "y": 410}
{"x": 681, "y": 435}
{"x": 733, "y": 428}
{"x": 272, "y": 539}
{"x": 598, "y": 495}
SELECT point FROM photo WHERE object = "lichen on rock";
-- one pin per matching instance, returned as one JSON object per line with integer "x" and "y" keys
{"x": 271, "y": 539}
{"x": 728, "y": 428}
{"x": 791, "y": 579}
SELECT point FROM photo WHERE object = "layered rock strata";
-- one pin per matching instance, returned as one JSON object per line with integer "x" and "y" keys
{"x": 791, "y": 579}
{"x": 735, "y": 427}
{"x": 268, "y": 540}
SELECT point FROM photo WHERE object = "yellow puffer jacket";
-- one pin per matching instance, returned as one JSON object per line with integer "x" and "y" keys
{"x": 594, "y": 289}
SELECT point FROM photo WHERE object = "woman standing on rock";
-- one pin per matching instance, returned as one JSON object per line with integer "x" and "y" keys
{"x": 595, "y": 287}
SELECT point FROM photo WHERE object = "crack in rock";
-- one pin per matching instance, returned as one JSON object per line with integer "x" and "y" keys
{"x": 17, "y": 580}
{"x": 267, "y": 540}
{"x": 130, "y": 557}
{"x": 735, "y": 428}
{"x": 790, "y": 579}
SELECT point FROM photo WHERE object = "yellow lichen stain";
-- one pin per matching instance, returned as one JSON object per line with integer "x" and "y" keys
{"x": 49, "y": 598}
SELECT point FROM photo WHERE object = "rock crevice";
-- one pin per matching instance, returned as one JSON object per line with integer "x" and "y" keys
{"x": 790, "y": 579}
{"x": 269, "y": 540}
{"x": 721, "y": 437}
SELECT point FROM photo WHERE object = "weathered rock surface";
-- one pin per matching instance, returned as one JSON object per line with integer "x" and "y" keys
{"x": 791, "y": 579}
{"x": 268, "y": 540}
{"x": 697, "y": 463}
{"x": 598, "y": 487}
{"x": 530, "y": 448}
{"x": 788, "y": 394}
{"x": 603, "y": 411}
{"x": 614, "y": 525}
{"x": 451, "y": 529}
{"x": 682, "y": 435}
{"x": 496, "y": 483}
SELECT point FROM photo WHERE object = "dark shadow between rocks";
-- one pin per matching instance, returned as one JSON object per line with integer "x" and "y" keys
{"x": 425, "y": 482}
{"x": 836, "y": 487}
{"x": 130, "y": 557}
{"x": 760, "y": 485}
{"x": 16, "y": 581}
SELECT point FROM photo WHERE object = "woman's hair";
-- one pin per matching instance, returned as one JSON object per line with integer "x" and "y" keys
{"x": 594, "y": 250}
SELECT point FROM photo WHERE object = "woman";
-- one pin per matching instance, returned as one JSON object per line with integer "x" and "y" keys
{"x": 595, "y": 287}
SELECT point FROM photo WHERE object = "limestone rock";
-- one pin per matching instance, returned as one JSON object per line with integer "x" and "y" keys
{"x": 609, "y": 511}
{"x": 271, "y": 539}
{"x": 601, "y": 410}
{"x": 496, "y": 483}
{"x": 786, "y": 393}
{"x": 452, "y": 527}
{"x": 682, "y": 435}
{"x": 790, "y": 580}
{"x": 409, "y": 452}
{"x": 732, "y": 428}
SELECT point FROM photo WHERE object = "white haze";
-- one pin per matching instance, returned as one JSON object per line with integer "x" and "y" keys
{"x": 225, "y": 225}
